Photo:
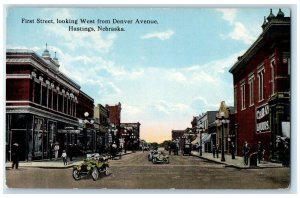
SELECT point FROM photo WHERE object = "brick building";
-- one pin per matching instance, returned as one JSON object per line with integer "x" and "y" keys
{"x": 261, "y": 78}
{"x": 114, "y": 114}
{"x": 42, "y": 105}
{"x": 130, "y": 135}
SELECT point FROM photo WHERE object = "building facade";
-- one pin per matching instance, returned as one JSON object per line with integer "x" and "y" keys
{"x": 130, "y": 135}
{"x": 114, "y": 114}
{"x": 261, "y": 78}
{"x": 42, "y": 105}
{"x": 101, "y": 115}
{"x": 209, "y": 138}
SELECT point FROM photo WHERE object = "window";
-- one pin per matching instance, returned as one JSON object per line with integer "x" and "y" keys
{"x": 54, "y": 100}
{"x": 235, "y": 99}
{"x": 44, "y": 96}
{"x": 260, "y": 75}
{"x": 37, "y": 92}
{"x": 50, "y": 98}
{"x": 60, "y": 102}
{"x": 251, "y": 90}
{"x": 243, "y": 95}
{"x": 272, "y": 77}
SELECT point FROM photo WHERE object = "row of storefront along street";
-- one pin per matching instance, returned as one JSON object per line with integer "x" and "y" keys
{"x": 44, "y": 107}
{"x": 261, "y": 111}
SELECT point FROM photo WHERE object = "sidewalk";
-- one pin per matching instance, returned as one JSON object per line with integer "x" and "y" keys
{"x": 51, "y": 164}
{"x": 238, "y": 162}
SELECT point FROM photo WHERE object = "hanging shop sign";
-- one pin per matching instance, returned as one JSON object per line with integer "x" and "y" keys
{"x": 76, "y": 131}
{"x": 262, "y": 119}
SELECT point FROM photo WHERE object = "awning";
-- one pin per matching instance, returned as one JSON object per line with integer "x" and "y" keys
{"x": 205, "y": 139}
{"x": 196, "y": 141}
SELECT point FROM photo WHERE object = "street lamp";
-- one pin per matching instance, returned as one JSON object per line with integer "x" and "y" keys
{"x": 125, "y": 140}
{"x": 200, "y": 137}
{"x": 86, "y": 121}
{"x": 132, "y": 138}
{"x": 221, "y": 119}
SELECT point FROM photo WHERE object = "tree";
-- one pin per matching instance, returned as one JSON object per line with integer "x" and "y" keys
{"x": 154, "y": 144}
{"x": 166, "y": 144}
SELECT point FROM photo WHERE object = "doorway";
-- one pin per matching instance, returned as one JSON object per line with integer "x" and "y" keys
{"x": 19, "y": 137}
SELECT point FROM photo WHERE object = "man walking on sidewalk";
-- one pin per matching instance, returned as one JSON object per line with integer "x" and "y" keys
{"x": 259, "y": 151}
{"x": 214, "y": 151}
{"x": 232, "y": 150}
{"x": 217, "y": 151}
{"x": 15, "y": 155}
{"x": 246, "y": 151}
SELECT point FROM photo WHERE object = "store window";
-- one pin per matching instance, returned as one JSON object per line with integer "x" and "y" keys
{"x": 38, "y": 137}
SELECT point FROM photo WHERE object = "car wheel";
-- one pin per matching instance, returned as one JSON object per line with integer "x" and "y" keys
{"x": 166, "y": 161}
{"x": 95, "y": 174}
{"x": 76, "y": 174}
{"x": 106, "y": 171}
{"x": 153, "y": 160}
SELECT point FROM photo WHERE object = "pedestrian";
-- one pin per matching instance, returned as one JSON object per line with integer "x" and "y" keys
{"x": 64, "y": 157}
{"x": 232, "y": 150}
{"x": 286, "y": 154}
{"x": 214, "y": 151}
{"x": 15, "y": 155}
{"x": 56, "y": 149}
{"x": 50, "y": 149}
{"x": 259, "y": 151}
{"x": 217, "y": 151}
{"x": 246, "y": 152}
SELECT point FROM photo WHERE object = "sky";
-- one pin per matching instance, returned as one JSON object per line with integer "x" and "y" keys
{"x": 162, "y": 73}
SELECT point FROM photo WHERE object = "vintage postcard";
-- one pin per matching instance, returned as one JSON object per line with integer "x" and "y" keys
{"x": 147, "y": 98}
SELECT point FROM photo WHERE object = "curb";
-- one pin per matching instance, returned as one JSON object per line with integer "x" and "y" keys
{"x": 236, "y": 166}
{"x": 24, "y": 165}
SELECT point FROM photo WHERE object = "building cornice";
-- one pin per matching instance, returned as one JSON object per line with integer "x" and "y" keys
{"x": 259, "y": 42}
{"x": 29, "y": 57}
{"x": 40, "y": 112}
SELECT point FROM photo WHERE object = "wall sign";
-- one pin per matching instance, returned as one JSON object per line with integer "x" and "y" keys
{"x": 262, "y": 119}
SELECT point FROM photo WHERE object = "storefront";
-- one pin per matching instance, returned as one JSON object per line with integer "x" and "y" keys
{"x": 35, "y": 132}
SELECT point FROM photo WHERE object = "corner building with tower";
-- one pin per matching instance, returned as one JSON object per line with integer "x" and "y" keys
{"x": 261, "y": 78}
{"x": 43, "y": 106}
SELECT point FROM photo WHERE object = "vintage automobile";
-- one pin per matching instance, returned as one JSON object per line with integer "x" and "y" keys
{"x": 151, "y": 153}
{"x": 93, "y": 165}
{"x": 160, "y": 157}
{"x": 187, "y": 148}
{"x": 115, "y": 153}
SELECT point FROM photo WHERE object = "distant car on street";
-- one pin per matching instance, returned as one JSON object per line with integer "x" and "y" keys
{"x": 187, "y": 149}
{"x": 160, "y": 157}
